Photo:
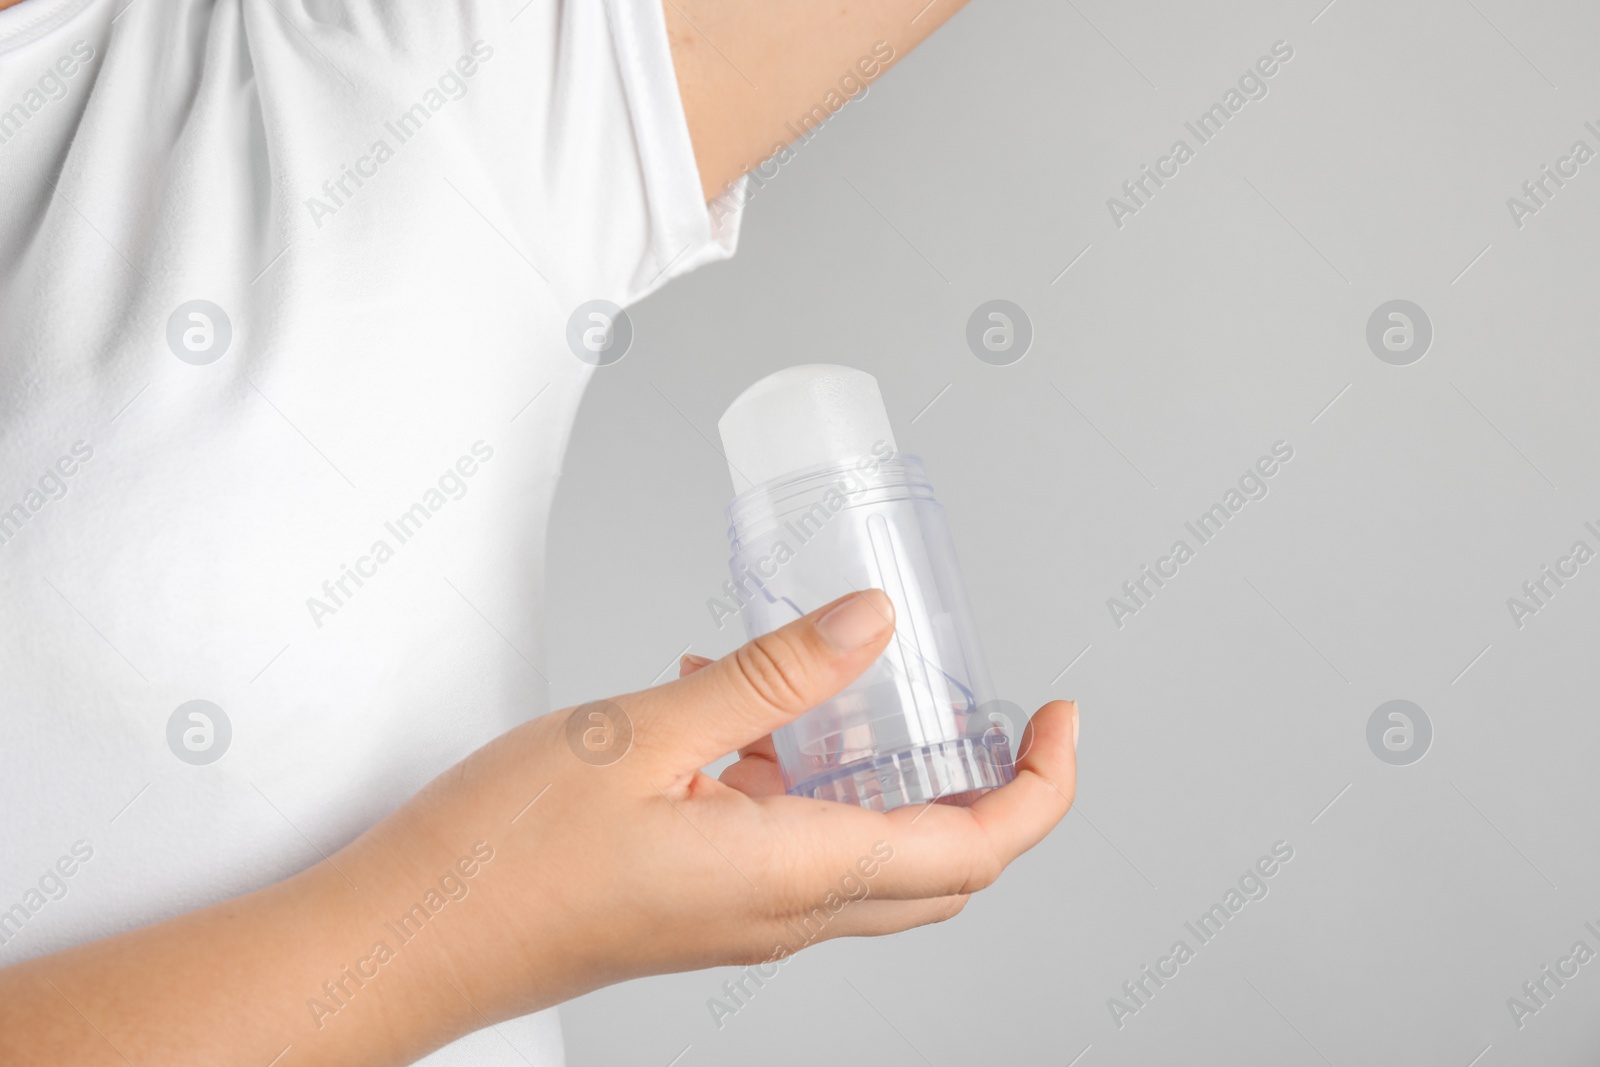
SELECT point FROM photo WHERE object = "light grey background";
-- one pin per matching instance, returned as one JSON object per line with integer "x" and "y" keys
{"x": 1223, "y": 317}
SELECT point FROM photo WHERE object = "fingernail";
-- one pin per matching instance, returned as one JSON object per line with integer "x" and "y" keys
{"x": 691, "y": 660}
{"x": 857, "y": 621}
{"x": 1074, "y": 726}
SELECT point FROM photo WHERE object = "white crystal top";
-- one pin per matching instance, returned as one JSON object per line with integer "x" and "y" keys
{"x": 800, "y": 417}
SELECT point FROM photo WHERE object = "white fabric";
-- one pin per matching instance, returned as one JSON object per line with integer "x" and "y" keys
{"x": 165, "y": 524}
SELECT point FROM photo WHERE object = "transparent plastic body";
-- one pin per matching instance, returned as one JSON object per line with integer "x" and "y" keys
{"x": 913, "y": 728}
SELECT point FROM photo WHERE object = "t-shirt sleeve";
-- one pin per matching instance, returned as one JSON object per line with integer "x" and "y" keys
{"x": 570, "y": 124}
{"x": 617, "y": 155}
{"x": 690, "y": 228}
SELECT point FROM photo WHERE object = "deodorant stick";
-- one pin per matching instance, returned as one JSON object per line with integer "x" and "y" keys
{"x": 825, "y": 504}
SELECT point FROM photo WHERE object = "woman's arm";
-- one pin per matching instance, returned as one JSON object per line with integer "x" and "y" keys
{"x": 538, "y": 869}
{"x": 231, "y": 983}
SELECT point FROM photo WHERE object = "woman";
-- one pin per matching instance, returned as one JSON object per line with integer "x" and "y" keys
{"x": 288, "y": 313}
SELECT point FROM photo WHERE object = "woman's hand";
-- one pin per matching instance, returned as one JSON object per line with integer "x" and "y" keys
{"x": 645, "y": 864}
{"x": 583, "y": 848}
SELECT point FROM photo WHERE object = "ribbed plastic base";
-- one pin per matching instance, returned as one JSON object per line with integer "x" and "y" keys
{"x": 951, "y": 772}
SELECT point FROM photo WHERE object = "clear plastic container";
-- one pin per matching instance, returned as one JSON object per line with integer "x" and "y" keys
{"x": 914, "y": 727}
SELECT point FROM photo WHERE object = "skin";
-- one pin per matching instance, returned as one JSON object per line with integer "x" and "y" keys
{"x": 745, "y": 69}
{"x": 581, "y": 874}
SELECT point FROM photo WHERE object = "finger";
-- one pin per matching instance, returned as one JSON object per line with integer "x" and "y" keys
{"x": 873, "y": 918}
{"x": 754, "y": 776}
{"x": 937, "y": 850}
{"x": 911, "y": 853}
{"x": 763, "y": 684}
{"x": 687, "y": 665}
{"x": 1018, "y": 815}
{"x": 761, "y": 747}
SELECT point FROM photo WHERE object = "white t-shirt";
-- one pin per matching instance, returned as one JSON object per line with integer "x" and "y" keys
{"x": 285, "y": 380}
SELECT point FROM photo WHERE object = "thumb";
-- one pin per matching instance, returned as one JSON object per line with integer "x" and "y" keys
{"x": 765, "y": 683}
